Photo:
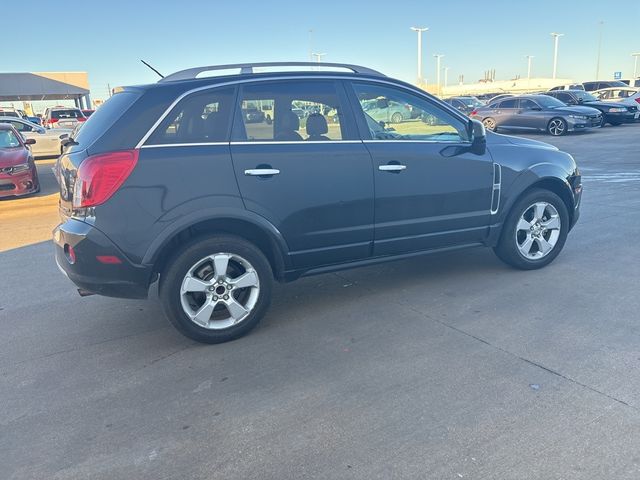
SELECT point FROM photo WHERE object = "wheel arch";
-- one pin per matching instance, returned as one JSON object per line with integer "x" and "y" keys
{"x": 261, "y": 233}
{"x": 553, "y": 184}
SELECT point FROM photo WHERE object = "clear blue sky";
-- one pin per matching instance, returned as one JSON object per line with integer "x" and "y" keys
{"x": 108, "y": 38}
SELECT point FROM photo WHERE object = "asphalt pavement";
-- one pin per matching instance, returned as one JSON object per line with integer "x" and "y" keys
{"x": 439, "y": 367}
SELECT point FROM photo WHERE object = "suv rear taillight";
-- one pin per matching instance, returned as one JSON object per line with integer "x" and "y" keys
{"x": 473, "y": 112}
{"x": 100, "y": 176}
{"x": 52, "y": 120}
{"x": 637, "y": 99}
{"x": 81, "y": 119}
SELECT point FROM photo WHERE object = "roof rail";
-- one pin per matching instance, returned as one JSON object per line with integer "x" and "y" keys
{"x": 247, "y": 69}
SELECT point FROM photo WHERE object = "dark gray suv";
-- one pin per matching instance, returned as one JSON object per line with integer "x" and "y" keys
{"x": 173, "y": 182}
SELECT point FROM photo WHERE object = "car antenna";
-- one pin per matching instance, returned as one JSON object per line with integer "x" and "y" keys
{"x": 161, "y": 76}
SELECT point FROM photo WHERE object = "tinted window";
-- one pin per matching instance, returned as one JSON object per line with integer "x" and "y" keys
{"x": 104, "y": 117}
{"x": 21, "y": 127}
{"x": 199, "y": 118}
{"x": 5, "y": 113}
{"x": 511, "y": 103}
{"x": 527, "y": 104}
{"x": 290, "y": 111}
{"x": 565, "y": 97}
{"x": 71, "y": 113}
{"x": 394, "y": 114}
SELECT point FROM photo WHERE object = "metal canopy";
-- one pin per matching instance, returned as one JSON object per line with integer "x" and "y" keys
{"x": 30, "y": 87}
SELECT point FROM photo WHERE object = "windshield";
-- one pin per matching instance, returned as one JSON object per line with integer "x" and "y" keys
{"x": 549, "y": 102}
{"x": 71, "y": 113}
{"x": 585, "y": 97}
{"x": 8, "y": 139}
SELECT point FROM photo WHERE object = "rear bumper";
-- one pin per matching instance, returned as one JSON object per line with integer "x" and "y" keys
{"x": 123, "y": 280}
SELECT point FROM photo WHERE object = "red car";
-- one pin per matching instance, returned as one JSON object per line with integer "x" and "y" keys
{"x": 18, "y": 174}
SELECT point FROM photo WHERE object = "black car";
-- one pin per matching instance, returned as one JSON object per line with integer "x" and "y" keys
{"x": 171, "y": 182}
{"x": 615, "y": 113}
{"x": 253, "y": 115}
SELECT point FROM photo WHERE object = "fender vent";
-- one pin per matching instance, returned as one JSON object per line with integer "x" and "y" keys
{"x": 495, "y": 193}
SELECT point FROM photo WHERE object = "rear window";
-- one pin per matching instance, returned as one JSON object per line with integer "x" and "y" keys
{"x": 71, "y": 113}
{"x": 104, "y": 117}
{"x": 8, "y": 113}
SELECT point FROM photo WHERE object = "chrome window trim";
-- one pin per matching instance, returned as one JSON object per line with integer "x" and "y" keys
{"x": 291, "y": 142}
{"x": 238, "y": 81}
{"x": 461, "y": 142}
{"x": 195, "y": 144}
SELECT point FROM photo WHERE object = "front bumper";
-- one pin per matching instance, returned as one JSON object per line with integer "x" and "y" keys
{"x": 123, "y": 280}
{"x": 620, "y": 117}
{"x": 20, "y": 184}
{"x": 578, "y": 124}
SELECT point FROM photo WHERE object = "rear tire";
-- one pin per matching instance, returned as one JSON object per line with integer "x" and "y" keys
{"x": 396, "y": 118}
{"x": 490, "y": 124}
{"x": 535, "y": 231}
{"x": 216, "y": 289}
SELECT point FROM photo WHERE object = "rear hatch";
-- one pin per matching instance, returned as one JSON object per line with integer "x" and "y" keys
{"x": 94, "y": 128}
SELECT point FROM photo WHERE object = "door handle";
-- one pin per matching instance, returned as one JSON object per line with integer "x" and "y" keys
{"x": 392, "y": 168}
{"x": 262, "y": 172}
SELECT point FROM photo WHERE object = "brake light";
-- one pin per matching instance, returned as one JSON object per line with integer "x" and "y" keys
{"x": 637, "y": 100}
{"x": 473, "y": 112}
{"x": 52, "y": 120}
{"x": 81, "y": 119}
{"x": 100, "y": 176}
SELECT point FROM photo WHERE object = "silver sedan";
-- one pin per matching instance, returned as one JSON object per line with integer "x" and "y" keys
{"x": 48, "y": 141}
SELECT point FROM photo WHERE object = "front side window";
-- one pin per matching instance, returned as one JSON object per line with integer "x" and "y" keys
{"x": 289, "y": 112}
{"x": 394, "y": 114}
{"x": 565, "y": 97}
{"x": 527, "y": 104}
{"x": 202, "y": 117}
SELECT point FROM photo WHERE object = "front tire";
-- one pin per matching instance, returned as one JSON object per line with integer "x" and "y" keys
{"x": 535, "y": 231}
{"x": 216, "y": 289}
{"x": 557, "y": 126}
{"x": 490, "y": 124}
{"x": 396, "y": 118}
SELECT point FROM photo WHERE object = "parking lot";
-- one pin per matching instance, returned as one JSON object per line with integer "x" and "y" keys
{"x": 441, "y": 367}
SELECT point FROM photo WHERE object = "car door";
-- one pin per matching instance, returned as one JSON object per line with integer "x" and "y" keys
{"x": 528, "y": 115}
{"x": 312, "y": 177}
{"x": 505, "y": 111}
{"x": 429, "y": 191}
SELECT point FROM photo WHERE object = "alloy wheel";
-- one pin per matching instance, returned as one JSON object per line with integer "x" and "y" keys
{"x": 538, "y": 230}
{"x": 556, "y": 127}
{"x": 219, "y": 291}
{"x": 489, "y": 124}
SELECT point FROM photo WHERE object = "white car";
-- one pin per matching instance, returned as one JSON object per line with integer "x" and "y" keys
{"x": 48, "y": 142}
{"x": 628, "y": 95}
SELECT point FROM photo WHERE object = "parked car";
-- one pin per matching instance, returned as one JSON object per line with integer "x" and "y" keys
{"x": 627, "y": 95}
{"x": 9, "y": 112}
{"x": 569, "y": 86}
{"x": 48, "y": 141}
{"x": 600, "y": 84}
{"x": 253, "y": 115}
{"x": 18, "y": 174}
{"x": 465, "y": 105}
{"x": 216, "y": 212}
{"x": 499, "y": 97}
{"x": 615, "y": 113}
{"x": 62, "y": 117}
{"x": 37, "y": 120}
{"x": 383, "y": 110}
{"x": 537, "y": 112}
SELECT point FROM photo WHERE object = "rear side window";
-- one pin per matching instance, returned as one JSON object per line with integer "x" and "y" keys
{"x": 290, "y": 111}
{"x": 511, "y": 103}
{"x": 104, "y": 117}
{"x": 71, "y": 113}
{"x": 199, "y": 118}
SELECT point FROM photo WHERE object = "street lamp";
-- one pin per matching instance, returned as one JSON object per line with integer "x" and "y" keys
{"x": 446, "y": 76}
{"x": 438, "y": 57}
{"x": 555, "y": 36}
{"x": 318, "y": 56}
{"x": 635, "y": 64}
{"x": 600, "y": 24}
{"x": 419, "y": 30}
{"x": 529, "y": 57}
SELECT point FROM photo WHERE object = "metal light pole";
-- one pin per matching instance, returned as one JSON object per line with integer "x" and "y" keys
{"x": 438, "y": 57}
{"x": 555, "y": 36}
{"x": 419, "y": 30}
{"x": 600, "y": 24}
{"x": 635, "y": 64}
{"x": 318, "y": 56}
{"x": 446, "y": 76}
{"x": 529, "y": 57}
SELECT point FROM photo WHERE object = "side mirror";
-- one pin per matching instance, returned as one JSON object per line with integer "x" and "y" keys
{"x": 29, "y": 141}
{"x": 478, "y": 138}
{"x": 382, "y": 124}
{"x": 41, "y": 131}
{"x": 580, "y": 100}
